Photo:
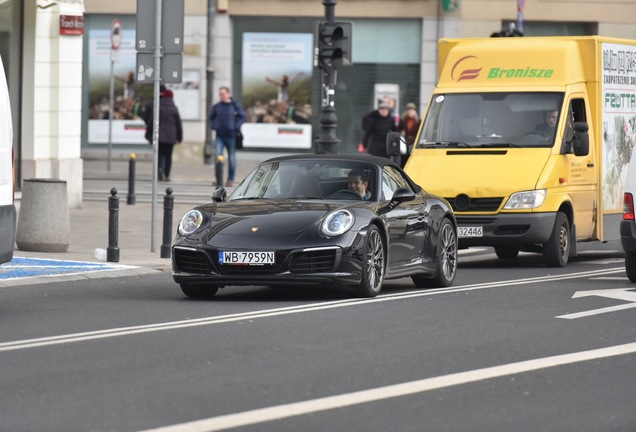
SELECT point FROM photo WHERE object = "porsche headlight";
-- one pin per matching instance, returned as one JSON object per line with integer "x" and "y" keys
{"x": 190, "y": 222}
{"x": 526, "y": 200}
{"x": 337, "y": 223}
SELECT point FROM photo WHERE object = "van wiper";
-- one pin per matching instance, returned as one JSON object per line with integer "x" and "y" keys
{"x": 495, "y": 145}
{"x": 443, "y": 144}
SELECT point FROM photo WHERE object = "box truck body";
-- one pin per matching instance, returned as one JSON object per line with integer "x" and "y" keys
{"x": 529, "y": 140}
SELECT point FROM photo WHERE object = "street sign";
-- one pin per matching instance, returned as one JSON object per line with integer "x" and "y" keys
{"x": 171, "y": 67}
{"x": 172, "y": 16}
{"x": 116, "y": 34}
{"x": 625, "y": 294}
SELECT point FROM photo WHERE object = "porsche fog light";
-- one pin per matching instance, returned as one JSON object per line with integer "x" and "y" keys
{"x": 526, "y": 200}
{"x": 190, "y": 222}
{"x": 337, "y": 223}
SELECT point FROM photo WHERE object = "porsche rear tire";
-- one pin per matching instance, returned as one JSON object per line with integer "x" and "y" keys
{"x": 373, "y": 264}
{"x": 200, "y": 291}
{"x": 446, "y": 259}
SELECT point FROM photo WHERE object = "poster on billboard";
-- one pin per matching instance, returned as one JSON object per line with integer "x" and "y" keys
{"x": 276, "y": 78}
{"x": 387, "y": 93}
{"x": 130, "y": 97}
{"x": 619, "y": 120}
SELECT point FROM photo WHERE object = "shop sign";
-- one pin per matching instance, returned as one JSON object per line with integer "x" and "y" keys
{"x": 72, "y": 25}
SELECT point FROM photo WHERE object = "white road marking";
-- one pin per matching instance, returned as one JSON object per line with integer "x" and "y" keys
{"x": 624, "y": 294}
{"x": 611, "y": 278}
{"x": 124, "y": 331}
{"x": 471, "y": 251}
{"x": 278, "y": 412}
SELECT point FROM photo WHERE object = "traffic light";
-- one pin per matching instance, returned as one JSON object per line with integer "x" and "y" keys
{"x": 334, "y": 44}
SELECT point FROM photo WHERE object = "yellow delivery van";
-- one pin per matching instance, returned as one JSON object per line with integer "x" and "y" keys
{"x": 7, "y": 206}
{"x": 529, "y": 140}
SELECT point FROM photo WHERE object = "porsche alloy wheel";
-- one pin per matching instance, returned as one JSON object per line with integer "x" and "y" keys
{"x": 372, "y": 264}
{"x": 447, "y": 256}
{"x": 446, "y": 259}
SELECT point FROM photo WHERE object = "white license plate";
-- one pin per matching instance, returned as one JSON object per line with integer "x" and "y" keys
{"x": 246, "y": 258}
{"x": 470, "y": 231}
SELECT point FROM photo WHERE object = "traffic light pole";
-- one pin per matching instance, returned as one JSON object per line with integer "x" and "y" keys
{"x": 327, "y": 141}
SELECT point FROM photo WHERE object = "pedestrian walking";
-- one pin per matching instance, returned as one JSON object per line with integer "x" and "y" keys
{"x": 226, "y": 118}
{"x": 376, "y": 125}
{"x": 409, "y": 126}
{"x": 170, "y": 130}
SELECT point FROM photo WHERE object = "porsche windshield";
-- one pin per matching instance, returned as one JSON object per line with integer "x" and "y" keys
{"x": 491, "y": 120}
{"x": 298, "y": 178}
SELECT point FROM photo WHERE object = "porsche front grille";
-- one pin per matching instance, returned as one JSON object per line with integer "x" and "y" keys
{"x": 192, "y": 261}
{"x": 313, "y": 262}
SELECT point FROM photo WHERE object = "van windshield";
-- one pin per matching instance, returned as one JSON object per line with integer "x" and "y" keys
{"x": 492, "y": 120}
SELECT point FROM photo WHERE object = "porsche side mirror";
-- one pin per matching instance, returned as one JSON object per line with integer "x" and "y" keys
{"x": 393, "y": 143}
{"x": 219, "y": 194}
{"x": 401, "y": 195}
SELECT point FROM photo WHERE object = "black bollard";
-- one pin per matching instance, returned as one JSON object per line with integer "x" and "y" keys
{"x": 168, "y": 206}
{"x": 218, "y": 171}
{"x": 112, "y": 252}
{"x": 131, "y": 199}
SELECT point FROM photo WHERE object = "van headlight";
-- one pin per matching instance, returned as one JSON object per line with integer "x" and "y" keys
{"x": 526, "y": 200}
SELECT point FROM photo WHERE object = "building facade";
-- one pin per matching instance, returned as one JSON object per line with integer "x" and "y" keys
{"x": 57, "y": 55}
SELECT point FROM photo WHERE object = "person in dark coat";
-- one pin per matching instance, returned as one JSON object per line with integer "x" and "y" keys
{"x": 376, "y": 125}
{"x": 226, "y": 118}
{"x": 170, "y": 130}
{"x": 409, "y": 126}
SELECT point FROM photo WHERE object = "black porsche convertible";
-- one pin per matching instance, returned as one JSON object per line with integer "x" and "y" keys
{"x": 350, "y": 221}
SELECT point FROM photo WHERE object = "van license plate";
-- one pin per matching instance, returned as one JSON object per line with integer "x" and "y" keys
{"x": 470, "y": 231}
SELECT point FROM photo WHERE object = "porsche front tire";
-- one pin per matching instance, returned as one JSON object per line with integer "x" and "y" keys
{"x": 200, "y": 291}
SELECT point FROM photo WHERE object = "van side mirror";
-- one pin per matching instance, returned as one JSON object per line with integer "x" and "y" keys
{"x": 393, "y": 143}
{"x": 581, "y": 139}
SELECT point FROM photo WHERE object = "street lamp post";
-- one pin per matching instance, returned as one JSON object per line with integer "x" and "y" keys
{"x": 328, "y": 139}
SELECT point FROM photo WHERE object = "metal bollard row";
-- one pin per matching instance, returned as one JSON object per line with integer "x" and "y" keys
{"x": 168, "y": 207}
{"x": 112, "y": 252}
{"x": 131, "y": 179}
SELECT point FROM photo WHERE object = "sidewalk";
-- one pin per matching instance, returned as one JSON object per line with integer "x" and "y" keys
{"x": 89, "y": 224}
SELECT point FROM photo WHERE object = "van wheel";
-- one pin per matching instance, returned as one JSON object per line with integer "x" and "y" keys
{"x": 630, "y": 266}
{"x": 506, "y": 252}
{"x": 556, "y": 250}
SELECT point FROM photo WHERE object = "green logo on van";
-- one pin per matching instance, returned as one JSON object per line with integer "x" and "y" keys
{"x": 528, "y": 72}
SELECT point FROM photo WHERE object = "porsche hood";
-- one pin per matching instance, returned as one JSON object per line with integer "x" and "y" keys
{"x": 264, "y": 217}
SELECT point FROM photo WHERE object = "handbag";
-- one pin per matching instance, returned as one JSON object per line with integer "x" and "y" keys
{"x": 238, "y": 136}
{"x": 239, "y": 139}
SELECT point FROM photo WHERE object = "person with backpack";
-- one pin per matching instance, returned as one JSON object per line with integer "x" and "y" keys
{"x": 170, "y": 130}
{"x": 226, "y": 118}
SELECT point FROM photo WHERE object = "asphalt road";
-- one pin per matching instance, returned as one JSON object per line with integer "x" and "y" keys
{"x": 511, "y": 346}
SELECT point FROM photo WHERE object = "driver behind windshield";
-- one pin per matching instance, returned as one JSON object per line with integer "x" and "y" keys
{"x": 358, "y": 181}
{"x": 549, "y": 123}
